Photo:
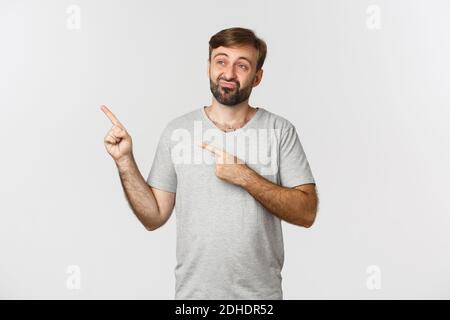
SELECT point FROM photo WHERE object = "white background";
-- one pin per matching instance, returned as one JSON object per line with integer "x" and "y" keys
{"x": 369, "y": 98}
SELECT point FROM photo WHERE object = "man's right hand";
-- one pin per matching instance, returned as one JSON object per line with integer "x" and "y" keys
{"x": 117, "y": 141}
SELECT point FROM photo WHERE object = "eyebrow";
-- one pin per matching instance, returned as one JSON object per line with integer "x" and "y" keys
{"x": 224, "y": 54}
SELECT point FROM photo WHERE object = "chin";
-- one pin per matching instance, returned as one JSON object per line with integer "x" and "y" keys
{"x": 227, "y": 103}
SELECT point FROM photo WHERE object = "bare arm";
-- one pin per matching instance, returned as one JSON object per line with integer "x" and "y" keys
{"x": 295, "y": 205}
{"x": 151, "y": 206}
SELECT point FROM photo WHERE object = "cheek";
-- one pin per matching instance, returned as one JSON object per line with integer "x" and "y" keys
{"x": 249, "y": 80}
{"x": 245, "y": 82}
{"x": 214, "y": 74}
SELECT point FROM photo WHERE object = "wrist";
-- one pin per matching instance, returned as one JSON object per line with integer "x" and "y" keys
{"x": 246, "y": 177}
{"x": 125, "y": 162}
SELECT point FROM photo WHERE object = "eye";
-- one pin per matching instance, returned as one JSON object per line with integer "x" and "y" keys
{"x": 244, "y": 66}
{"x": 219, "y": 61}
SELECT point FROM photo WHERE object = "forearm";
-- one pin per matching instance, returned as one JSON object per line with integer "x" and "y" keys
{"x": 138, "y": 193}
{"x": 289, "y": 204}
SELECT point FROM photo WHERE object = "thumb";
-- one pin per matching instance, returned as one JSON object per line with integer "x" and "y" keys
{"x": 119, "y": 132}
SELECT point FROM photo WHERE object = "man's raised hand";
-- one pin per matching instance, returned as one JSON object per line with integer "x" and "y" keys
{"x": 117, "y": 141}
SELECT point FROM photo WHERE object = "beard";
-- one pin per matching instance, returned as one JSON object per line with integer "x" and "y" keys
{"x": 227, "y": 96}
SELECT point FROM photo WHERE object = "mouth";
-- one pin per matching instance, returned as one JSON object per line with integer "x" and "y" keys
{"x": 230, "y": 85}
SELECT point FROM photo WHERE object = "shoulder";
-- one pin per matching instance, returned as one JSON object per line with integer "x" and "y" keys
{"x": 277, "y": 121}
{"x": 184, "y": 119}
{"x": 182, "y": 122}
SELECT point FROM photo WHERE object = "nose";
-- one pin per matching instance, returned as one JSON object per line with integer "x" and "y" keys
{"x": 230, "y": 73}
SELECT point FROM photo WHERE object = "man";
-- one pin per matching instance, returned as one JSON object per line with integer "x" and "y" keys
{"x": 233, "y": 172}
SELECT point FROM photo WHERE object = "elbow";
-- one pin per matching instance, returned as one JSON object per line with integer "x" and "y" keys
{"x": 150, "y": 224}
{"x": 151, "y": 227}
{"x": 312, "y": 213}
{"x": 309, "y": 221}
{"x": 308, "y": 224}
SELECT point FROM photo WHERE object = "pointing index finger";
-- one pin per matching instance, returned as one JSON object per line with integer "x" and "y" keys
{"x": 111, "y": 116}
{"x": 210, "y": 148}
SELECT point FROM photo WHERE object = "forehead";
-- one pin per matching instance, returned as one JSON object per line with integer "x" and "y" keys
{"x": 246, "y": 52}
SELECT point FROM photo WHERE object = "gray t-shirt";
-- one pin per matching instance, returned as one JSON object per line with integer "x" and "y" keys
{"x": 228, "y": 245}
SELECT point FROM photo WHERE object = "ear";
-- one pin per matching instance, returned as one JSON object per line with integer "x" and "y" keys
{"x": 258, "y": 77}
{"x": 208, "y": 66}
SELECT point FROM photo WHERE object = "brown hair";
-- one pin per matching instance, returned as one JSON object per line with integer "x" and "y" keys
{"x": 235, "y": 37}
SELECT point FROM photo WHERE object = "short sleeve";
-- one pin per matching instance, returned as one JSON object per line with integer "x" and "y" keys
{"x": 294, "y": 167}
{"x": 162, "y": 174}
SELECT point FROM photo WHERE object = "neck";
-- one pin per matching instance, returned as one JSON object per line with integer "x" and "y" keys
{"x": 228, "y": 116}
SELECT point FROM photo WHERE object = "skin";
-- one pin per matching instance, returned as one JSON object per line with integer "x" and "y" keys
{"x": 237, "y": 66}
{"x": 296, "y": 205}
{"x": 229, "y": 108}
{"x": 151, "y": 206}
